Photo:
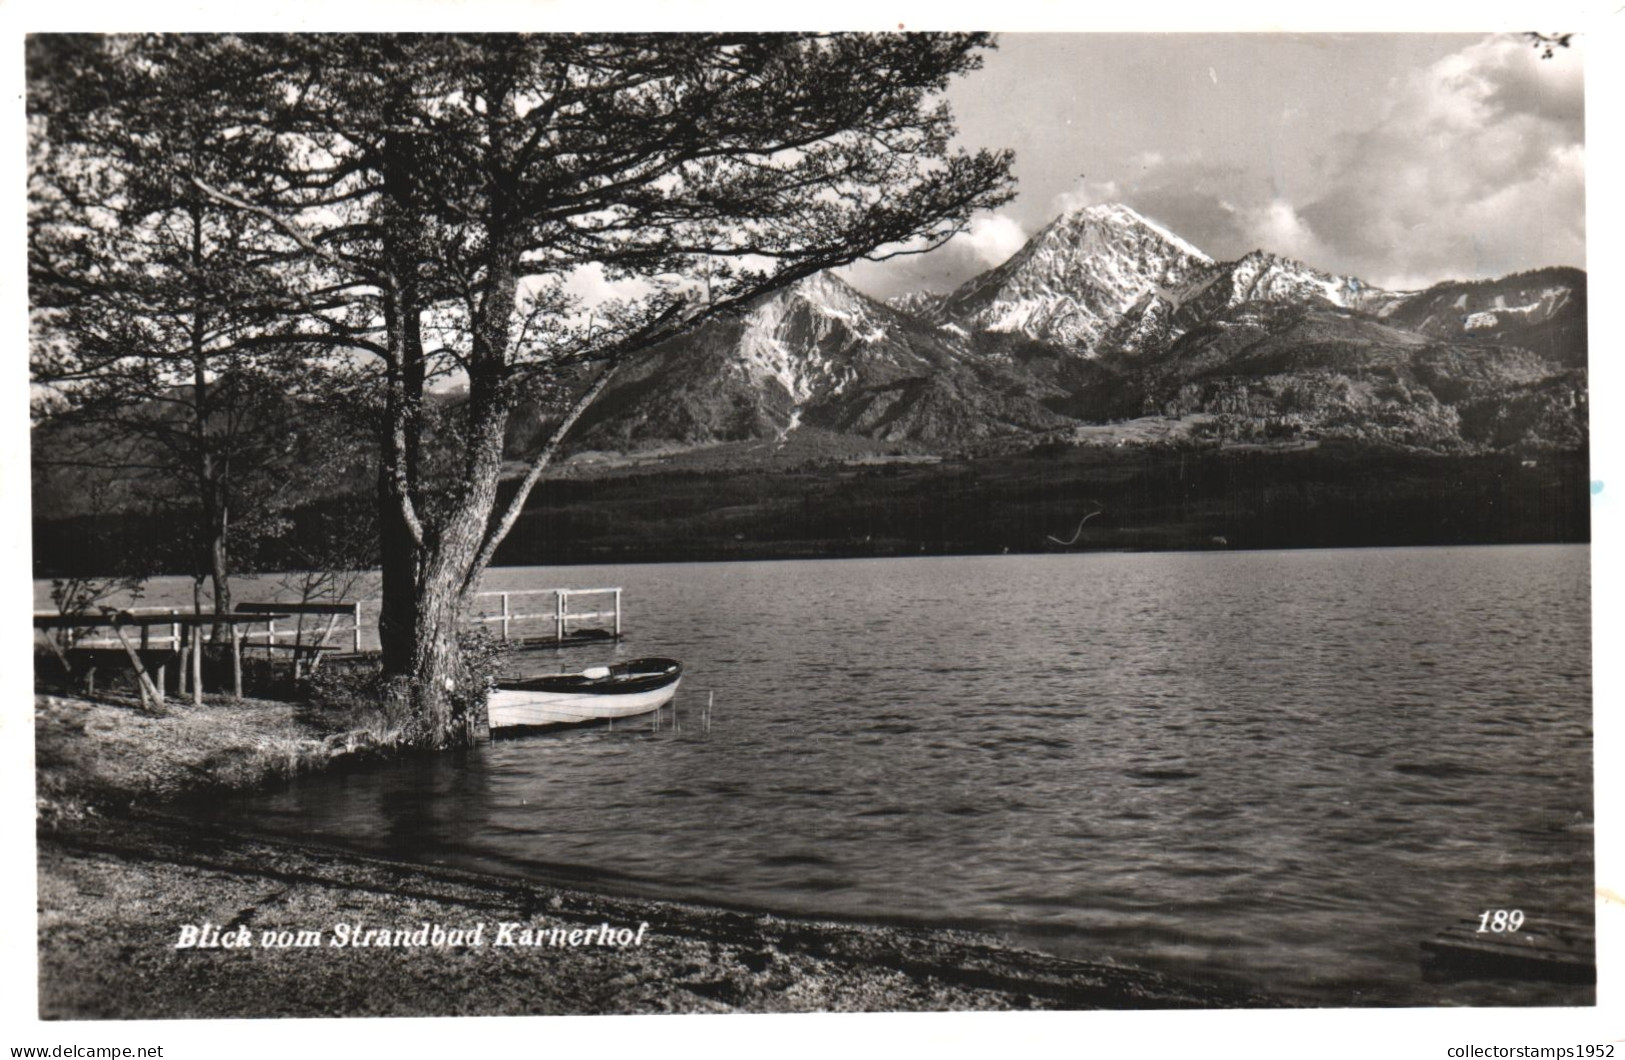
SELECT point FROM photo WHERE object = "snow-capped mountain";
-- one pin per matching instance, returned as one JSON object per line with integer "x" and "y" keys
{"x": 1543, "y": 310}
{"x": 1107, "y": 315}
{"x": 1160, "y": 317}
{"x": 1264, "y": 277}
{"x": 820, "y": 354}
{"x": 923, "y": 304}
{"x": 1076, "y": 278}
{"x": 815, "y": 339}
{"x": 1315, "y": 370}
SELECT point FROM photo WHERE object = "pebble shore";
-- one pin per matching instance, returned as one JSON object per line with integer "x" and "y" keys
{"x": 127, "y": 892}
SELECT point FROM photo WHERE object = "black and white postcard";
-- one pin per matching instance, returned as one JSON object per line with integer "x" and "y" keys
{"x": 533, "y": 517}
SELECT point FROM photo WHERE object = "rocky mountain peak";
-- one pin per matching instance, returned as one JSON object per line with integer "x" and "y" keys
{"x": 1076, "y": 277}
{"x": 1261, "y": 276}
{"x": 805, "y": 337}
{"x": 1103, "y": 315}
{"x": 1108, "y": 217}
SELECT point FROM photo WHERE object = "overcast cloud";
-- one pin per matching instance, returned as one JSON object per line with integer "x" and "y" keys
{"x": 1478, "y": 169}
{"x": 1401, "y": 159}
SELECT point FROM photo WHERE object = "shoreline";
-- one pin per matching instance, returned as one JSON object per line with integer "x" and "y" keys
{"x": 114, "y": 901}
{"x": 121, "y": 880}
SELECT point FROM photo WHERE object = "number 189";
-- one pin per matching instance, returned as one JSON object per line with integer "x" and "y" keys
{"x": 1500, "y": 921}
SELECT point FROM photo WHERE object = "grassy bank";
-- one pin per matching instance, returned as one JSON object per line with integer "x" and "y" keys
{"x": 119, "y": 881}
{"x": 107, "y": 756}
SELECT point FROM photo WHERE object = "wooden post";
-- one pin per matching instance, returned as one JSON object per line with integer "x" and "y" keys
{"x": 327, "y": 631}
{"x": 197, "y": 666}
{"x": 236, "y": 661}
{"x": 506, "y": 616}
{"x": 148, "y": 692}
{"x": 174, "y": 631}
{"x": 50, "y": 642}
{"x": 356, "y": 638}
{"x": 559, "y": 605}
{"x": 617, "y": 614}
{"x": 270, "y": 632}
{"x": 316, "y": 654}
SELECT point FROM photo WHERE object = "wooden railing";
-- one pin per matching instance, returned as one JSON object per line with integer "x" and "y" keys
{"x": 559, "y": 615}
{"x": 514, "y": 610}
{"x": 334, "y": 611}
{"x": 149, "y": 618}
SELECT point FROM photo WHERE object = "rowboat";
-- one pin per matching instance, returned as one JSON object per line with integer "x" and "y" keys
{"x": 599, "y": 693}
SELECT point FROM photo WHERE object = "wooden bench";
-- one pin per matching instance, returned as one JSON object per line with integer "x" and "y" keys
{"x": 84, "y": 662}
{"x": 350, "y": 609}
{"x": 302, "y": 653}
{"x": 192, "y": 625}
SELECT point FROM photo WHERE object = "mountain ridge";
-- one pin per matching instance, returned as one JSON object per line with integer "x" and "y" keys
{"x": 1106, "y": 314}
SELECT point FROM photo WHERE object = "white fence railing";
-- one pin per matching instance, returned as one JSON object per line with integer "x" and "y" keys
{"x": 513, "y": 611}
{"x": 510, "y": 611}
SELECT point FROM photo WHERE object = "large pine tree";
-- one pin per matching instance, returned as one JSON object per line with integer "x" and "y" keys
{"x": 435, "y": 200}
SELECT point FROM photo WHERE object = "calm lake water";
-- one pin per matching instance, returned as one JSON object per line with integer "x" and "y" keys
{"x": 1281, "y": 770}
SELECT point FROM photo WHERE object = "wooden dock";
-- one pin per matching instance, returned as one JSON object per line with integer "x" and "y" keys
{"x": 1539, "y": 949}
{"x": 183, "y": 630}
{"x": 559, "y": 622}
{"x": 524, "y": 619}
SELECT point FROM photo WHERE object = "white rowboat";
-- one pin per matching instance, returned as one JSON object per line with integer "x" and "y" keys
{"x": 624, "y": 690}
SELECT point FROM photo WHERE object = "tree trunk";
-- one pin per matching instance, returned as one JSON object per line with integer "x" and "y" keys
{"x": 439, "y": 702}
{"x": 427, "y": 589}
{"x": 215, "y": 518}
{"x": 451, "y": 703}
{"x": 220, "y": 578}
{"x": 426, "y": 562}
{"x": 399, "y": 559}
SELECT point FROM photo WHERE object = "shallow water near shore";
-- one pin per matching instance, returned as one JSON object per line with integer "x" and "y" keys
{"x": 1277, "y": 770}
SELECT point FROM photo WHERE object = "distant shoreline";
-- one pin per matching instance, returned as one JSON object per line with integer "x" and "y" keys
{"x": 1150, "y": 500}
{"x": 42, "y": 585}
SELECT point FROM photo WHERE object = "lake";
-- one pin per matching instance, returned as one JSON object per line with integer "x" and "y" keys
{"x": 1277, "y": 770}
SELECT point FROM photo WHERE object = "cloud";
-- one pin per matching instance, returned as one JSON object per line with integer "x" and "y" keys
{"x": 991, "y": 239}
{"x": 1477, "y": 169}
{"x": 989, "y": 242}
{"x": 1086, "y": 193}
{"x": 590, "y": 284}
{"x": 1474, "y": 166}
{"x": 1277, "y": 227}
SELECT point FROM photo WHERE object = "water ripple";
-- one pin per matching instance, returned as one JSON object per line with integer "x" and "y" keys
{"x": 1279, "y": 769}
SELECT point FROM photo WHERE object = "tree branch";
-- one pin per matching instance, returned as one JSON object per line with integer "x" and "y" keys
{"x": 288, "y": 228}
{"x": 495, "y": 535}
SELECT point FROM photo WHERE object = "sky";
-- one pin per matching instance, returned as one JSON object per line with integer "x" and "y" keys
{"x": 1402, "y": 159}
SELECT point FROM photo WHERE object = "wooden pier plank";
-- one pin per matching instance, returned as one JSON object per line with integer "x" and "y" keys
{"x": 1539, "y": 949}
